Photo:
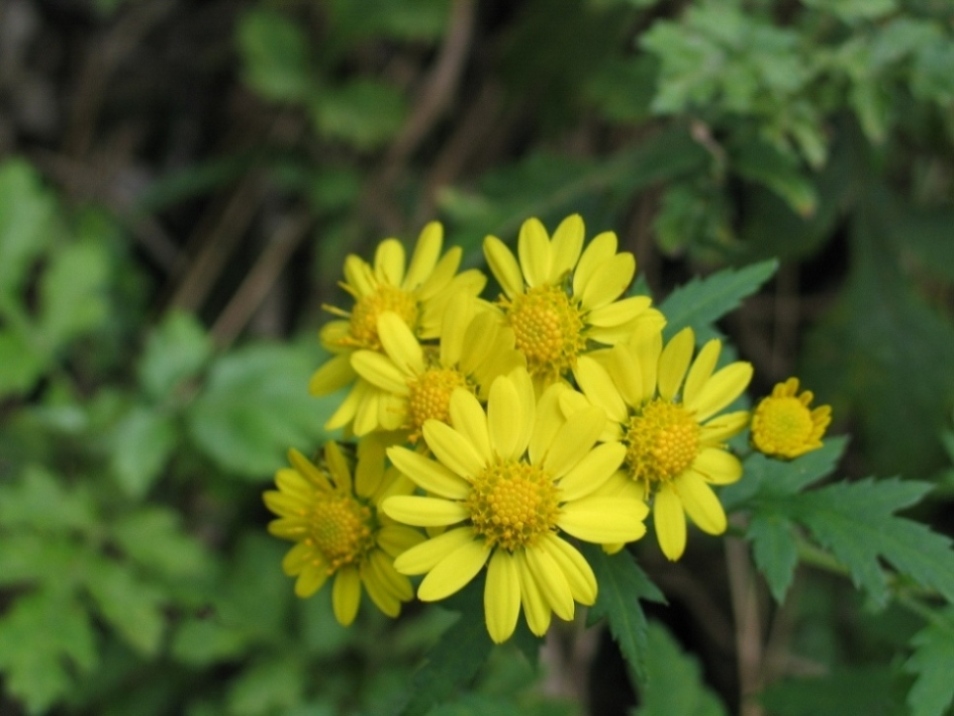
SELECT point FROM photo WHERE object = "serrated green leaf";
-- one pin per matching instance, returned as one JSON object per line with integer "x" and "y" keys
{"x": 773, "y": 546}
{"x": 153, "y": 537}
{"x": 701, "y": 302}
{"x": 254, "y": 407}
{"x": 673, "y": 683}
{"x": 72, "y": 292}
{"x": 139, "y": 448}
{"x": 275, "y": 54}
{"x": 27, "y": 210}
{"x": 128, "y": 604}
{"x": 175, "y": 351}
{"x": 43, "y": 636}
{"x": 39, "y": 500}
{"x": 855, "y": 522}
{"x": 862, "y": 691}
{"x": 933, "y": 663}
{"x": 622, "y": 583}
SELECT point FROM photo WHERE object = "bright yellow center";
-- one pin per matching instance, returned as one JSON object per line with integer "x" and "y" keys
{"x": 512, "y": 504}
{"x": 662, "y": 441}
{"x": 430, "y": 396}
{"x": 364, "y": 315}
{"x": 548, "y": 330}
{"x": 341, "y": 530}
{"x": 783, "y": 426}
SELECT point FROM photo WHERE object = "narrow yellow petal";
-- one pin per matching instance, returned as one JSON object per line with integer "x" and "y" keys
{"x": 596, "y": 383}
{"x": 700, "y": 503}
{"x": 609, "y": 281}
{"x": 333, "y": 375}
{"x": 549, "y": 419}
{"x": 395, "y": 540}
{"x": 367, "y": 411}
{"x": 579, "y": 575}
{"x": 566, "y": 246}
{"x": 429, "y": 475}
{"x": 674, "y": 362}
{"x": 389, "y": 262}
{"x": 349, "y": 406}
{"x": 358, "y": 275}
{"x": 383, "y": 569}
{"x": 424, "y": 511}
{"x": 425, "y": 556}
{"x": 533, "y": 248}
{"x": 717, "y": 466}
{"x": 503, "y": 266}
{"x": 424, "y": 259}
{"x": 458, "y": 315}
{"x": 298, "y": 557}
{"x": 535, "y": 607}
{"x": 338, "y": 466}
{"x": 601, "y": 249}
{"x": 369, "y": 471}
{"x": 603, "y": 520}
{"x": 454, "y": 572}
{"x": 383, "y": 599}
{"x": 552, "y": 582}
{"x": 574, "y": 440}
{"x": 627, "y": 375}
{"x": 722, "y": 427}
{"x": 481, "y": 340}
{"x": 380, "y": 371}
{"x": 441, "y": 277}
{"x": 501, "y": 596}
{"x": 346, "y": 595}
{"x": 399, "y": 343}
{"x": 701, "y": 370}
{"x": 618, "y": 313}
{"x": 470, "y": 420}
{"x": 646, "y": 348}
{"x": 592, "y": 471}
{"x": 504, "y": 417}
{"x": 528, "y": 403}
{"x": 721, "y": 389}
{"x": 310, "y": 580}
{"x": 453, "y": 449}
{"x": 670, "y": 523}
{"x": 307, "y": 469}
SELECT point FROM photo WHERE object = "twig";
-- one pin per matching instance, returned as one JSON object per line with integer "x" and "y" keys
{"x": 748, "y": 628}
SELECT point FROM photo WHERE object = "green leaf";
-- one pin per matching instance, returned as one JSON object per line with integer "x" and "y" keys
{"x": 622, "y": 583}
{"x": 701, "y": 302}
{"x": 127, "y": 603}
{"x": 256, "y": 406}
{"x": 20, "y": 363}
{"x": 175, "y": 351}
{"x": 43, "y": 637}
{"x": 153, "y": 537}
{"x": 275, "y": 54}
{"x": 853, "y": 11}
{"x": 201, "y": 642}
{"x": 855, "y": 522}
{"x": 673, "y": 683}
{"x": 139, "y": 448}
{"x": 273, "y": 685}
{"x": 38, "y": 500}
{"x": 773, "y": 546}
{"x": 933, "y": 663}
{"x": 29, "y": 557}
{"x": 405, "y": 20}
{"x": 862, "y": 691}
{"x": 364, "y": 112}
{"x": 763, "y": 164}
{"x": 27, "y": 211}
{"x": 72, "y": 291}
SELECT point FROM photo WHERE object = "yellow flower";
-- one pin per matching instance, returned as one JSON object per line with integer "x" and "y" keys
{"x": 417, "y": 294}
{"x": 339, "y": 531}
{"x": 784, "y": 426}
{"x": 560, "y": 299}
{"x": 507, "y": 482}
{"x": 414, "y": 383}
{"x": 665, "y": 411}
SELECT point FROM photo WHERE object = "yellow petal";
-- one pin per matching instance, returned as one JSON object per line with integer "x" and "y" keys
{"x": 592, "y": 471}
{"x": 426, "y": 252}
{"x": 308, "y": 470}
{"x": 700, "y": 503}
{"x": 380, "y": 371}
{"x": 400, "y": 344}
{"x": 395, "y": 540}
{"x": 481, "y": 340}
{"x": 566, "y": 246}
{"x": 349, "y": 406}
{"x": 299, "y": 557}
{"x": 670, "y": 523}
{"x": 424, "y": 511}
{"x": 389, "y": 262}
{"x": 721, "y": 389}
{"x": 367, "y": 411}
{"x": 618, "y": 313}
{"x": 311, "y": 579}
{"x": 458, "y": 315}
{"x": 601, "y": 249}
{"x": 383, "y": 599}
{"x": 369, "y": 471}
{"x": 627, "y": 375}
{"x": 358, "y": 275}
{"x": 603, "y": 520}
{"x": 723, "y": 427}
{"x": 548, "y": 421}
{"x": 501, "y": 596}
{"x": 596, "y": 383}
{"x": 346, "y": 595}
{"x": 470, "y": 420}
{"x": 528, "y": 403}
{"x": 503, "y": 266}
{"x": 453, "y": 449}
{"x": 674, "y": 361}
{"x": 382, "y": 568}
{"x": 335, "y": 374}
{"x": 504, "y": 417}
{"x": 454, "y": 572}
{"x": 609, "y": 281}
{"x": 577, "y": 571}
{"x": 535, "y": 607}
{"x": 552, "y": 582}
{"x": 441, "y": 277}
{"x": 338, "y": 466}
{"x": 574, "y": 440}
{"x": 701, "y": 370}
{"x": 646, "y": 349}
{"x": 425, "y": 556}
{"x": 533, "y": 248}
{"x": 717, "y": 466}
{"x": 431, "y": 476}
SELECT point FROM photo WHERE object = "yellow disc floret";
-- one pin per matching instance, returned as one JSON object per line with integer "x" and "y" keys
{"x": 548, "y": 329}
{"x": 784, "y": 426}
{"x": 341, "y": 530}
{"x": 512, "y": 504}
{"x": 662, "y": 441}
{"x": 367, "y": 308}
{"x": 430, "y": 396}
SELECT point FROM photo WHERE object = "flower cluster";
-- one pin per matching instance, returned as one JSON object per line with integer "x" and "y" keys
{"x": 498, "y": 434}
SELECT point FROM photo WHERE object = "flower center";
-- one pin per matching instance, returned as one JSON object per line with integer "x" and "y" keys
{"x": 430, "y": 396}
{"x": 548, "y": 330}
{"x": 364, "y": 315}
{"x": 341, "y": 530}
{"x": 782, "y": 426}
{"x": 512, "y": 504}
{"x": 662, "y": 441}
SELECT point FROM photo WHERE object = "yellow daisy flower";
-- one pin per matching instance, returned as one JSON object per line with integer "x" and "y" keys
{"x": 783, "y": 424}
{"x": 415, "y": 382}
{"x": 664, "y": 408}
{"x": 560, "y": 299}
{"x": 508, "y": 483}
{"x": 417, "y": 294}
{"x": 338, "y": 530}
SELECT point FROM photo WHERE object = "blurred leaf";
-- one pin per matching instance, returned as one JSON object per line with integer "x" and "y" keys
{"x": 763, "y": 164}
{"x": 20, "y": 363}
{"x": 931, "y": 78}
{"x": 200, "y": 642}
{"x": 44, "y": 637}
{"x": 273, "y": 685}
{"x": 275, "y": 54}
{"x": 139, "y": 448}
{"x": 38, "y": 500}
{"x": 773, "y": 545}
{"x": 701, "y": 302}
{"x": 693, "y": 216}
{"x": 933, "y": 663}
{"x": 73, "y": 292}
{"x": 29, "y": 557}
{"x": 854, "y": 10}
{"x": 153, "y": 537}
{"x": 255, "y": 595}
{"x": 26, "y": 221}
{"x": 406, "y": 20}
{"x": 925, "y": 235}
{"x": 673, "y": 683}
{"x": 623, "y": 88}
{"x": 176, "y": 350}
{"x": 862, "y": 691}
{"x": 622, "y": 585}
{"x": 254, "y": 407}
{"x": 364, "y": 112}
{"x": 128, "y": 604}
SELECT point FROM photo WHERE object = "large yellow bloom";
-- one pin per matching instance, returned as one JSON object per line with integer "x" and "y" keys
{"x": 417, "y": 294}
{"x": 664, "y": 407}
{"x": 414, "y": 382}
{"x": 783, "y": 424}
{"x": 334, "y": 520}
{"x": 561, "y": 300}
{"x": 507, "y": 483}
